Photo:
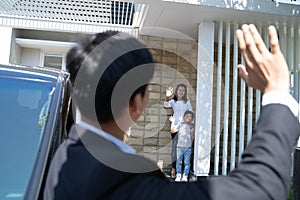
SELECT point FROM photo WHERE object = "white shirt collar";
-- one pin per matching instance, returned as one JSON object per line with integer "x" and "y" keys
{"x": 120, "y": 144}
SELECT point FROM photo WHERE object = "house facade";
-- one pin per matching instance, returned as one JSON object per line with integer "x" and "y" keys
{"x": 193, "y": 42}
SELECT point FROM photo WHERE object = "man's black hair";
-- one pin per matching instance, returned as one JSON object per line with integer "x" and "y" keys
{"x": 107, "y": 58}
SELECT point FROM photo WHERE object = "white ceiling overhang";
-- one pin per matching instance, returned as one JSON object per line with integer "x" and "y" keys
{"x": 181, "y": 18}
{"x": 45, "y": 45}
{"x": 166, "y": 18}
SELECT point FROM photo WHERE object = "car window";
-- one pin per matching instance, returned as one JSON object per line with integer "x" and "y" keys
{"x": 24, "y": 108}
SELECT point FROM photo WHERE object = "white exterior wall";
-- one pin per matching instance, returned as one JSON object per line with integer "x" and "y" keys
{"x": 30, "y": 57}
{"x": 16, "y": 50}
{"x": 5, "y": 44}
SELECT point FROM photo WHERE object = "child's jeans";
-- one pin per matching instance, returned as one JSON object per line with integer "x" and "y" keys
{"x": 183, "y": 153}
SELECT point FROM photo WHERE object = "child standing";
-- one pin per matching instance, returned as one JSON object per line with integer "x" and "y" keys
{"x": 184, "y": 146}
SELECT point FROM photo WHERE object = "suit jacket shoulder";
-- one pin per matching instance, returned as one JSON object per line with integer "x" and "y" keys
{"x": 93, "y": 168}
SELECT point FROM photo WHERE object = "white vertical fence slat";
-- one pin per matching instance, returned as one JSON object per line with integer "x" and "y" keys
{"x": 296, "y": 64}
{"x": 242, "y": 114}
{"x": 234, "y": 101}
{"x": 250, "y": 114}
{"x": 218, "y": 100}
{"x": 288, "y": 48}
{"x": 226, "y": 100}
{"x": 291, "y": 55}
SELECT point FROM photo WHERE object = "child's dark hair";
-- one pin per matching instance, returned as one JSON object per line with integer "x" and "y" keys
{"x": 189, "y": 112}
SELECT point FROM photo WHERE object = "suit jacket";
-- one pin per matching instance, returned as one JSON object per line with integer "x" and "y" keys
{"x": 90, "y": 167}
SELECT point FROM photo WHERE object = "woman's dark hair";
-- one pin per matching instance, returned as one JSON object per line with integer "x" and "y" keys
{"x": 184, "y": 98}
{"x": 108, "y": 58}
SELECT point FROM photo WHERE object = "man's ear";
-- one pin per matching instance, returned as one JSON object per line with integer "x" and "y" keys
{"x": 137, "y": 106}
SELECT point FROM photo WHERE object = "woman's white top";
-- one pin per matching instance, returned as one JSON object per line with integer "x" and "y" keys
{"x": 179, "y": 108}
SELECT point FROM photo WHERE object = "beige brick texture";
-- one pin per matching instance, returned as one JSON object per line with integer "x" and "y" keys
{"x": 177, "y": 61}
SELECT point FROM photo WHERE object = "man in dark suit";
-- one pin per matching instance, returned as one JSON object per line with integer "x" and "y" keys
{"x": 111, "y": 92}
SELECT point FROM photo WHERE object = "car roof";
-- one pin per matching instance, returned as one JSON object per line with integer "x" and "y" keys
{"x": 40, "y": 73}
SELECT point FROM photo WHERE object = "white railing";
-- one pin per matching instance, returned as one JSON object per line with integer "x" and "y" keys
{"x": 239, "y": 106}
{"x": 77, "y": 15}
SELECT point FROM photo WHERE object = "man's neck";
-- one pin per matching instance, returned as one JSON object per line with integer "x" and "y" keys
{"x": 109, "y": 127}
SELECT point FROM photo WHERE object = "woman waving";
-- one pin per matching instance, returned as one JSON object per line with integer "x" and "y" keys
{"x": 179, "y": 104}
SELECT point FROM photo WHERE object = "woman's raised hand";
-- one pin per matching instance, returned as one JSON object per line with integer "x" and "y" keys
{"x": 169, "y": 91}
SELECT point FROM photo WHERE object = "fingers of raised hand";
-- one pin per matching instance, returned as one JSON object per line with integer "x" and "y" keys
{"x": 250, "y": 41}
{"x": 264, "y": 70}
{"x": 274, "y": 42}
{"x": 169, "y": 91}
{"x": 243, "y": 73}
{"x": 253, "y": 49}
{"x": 245, "y": 40}
{"x": 252, "y": 46}
{"x": 261, "y": 47}
{"x": 240, "y": 37}
{"x": 248, "y": 55}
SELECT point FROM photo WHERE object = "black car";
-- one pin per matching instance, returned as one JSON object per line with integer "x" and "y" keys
{"x": 34, "y": 103}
